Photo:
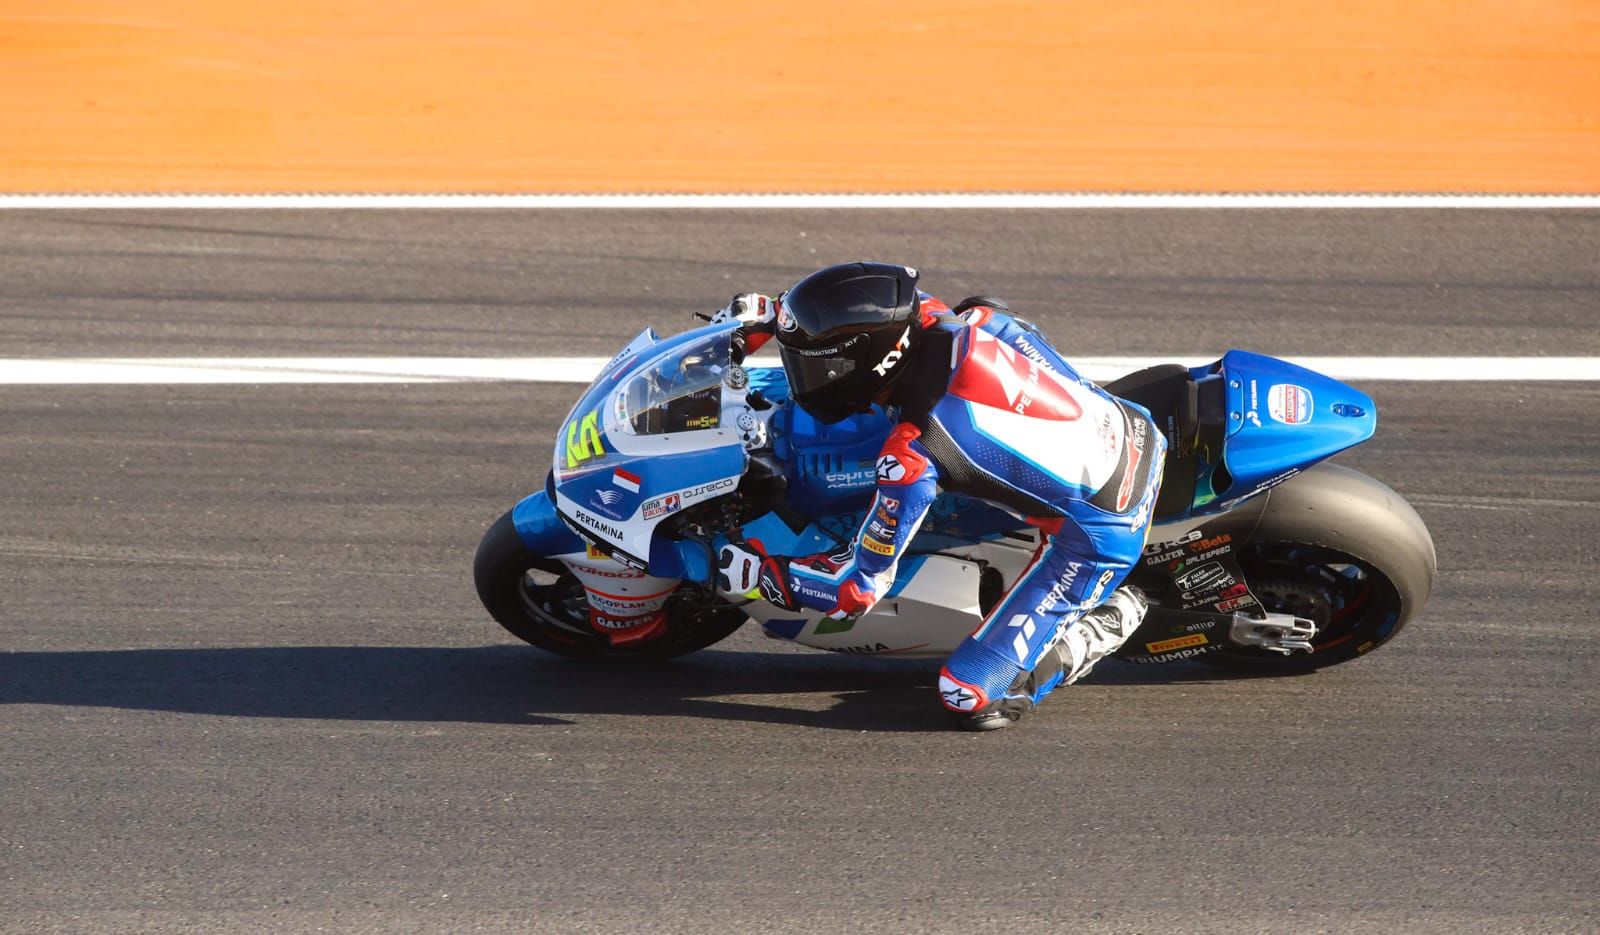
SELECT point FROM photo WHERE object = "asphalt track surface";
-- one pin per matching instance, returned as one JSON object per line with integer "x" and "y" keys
{"x": 246, "y": 683}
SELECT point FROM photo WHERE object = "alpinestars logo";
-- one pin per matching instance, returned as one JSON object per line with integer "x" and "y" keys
{"x": 956, "y": 696}
{"x": 890, "y": 470}
{"x": 893, "y": 357}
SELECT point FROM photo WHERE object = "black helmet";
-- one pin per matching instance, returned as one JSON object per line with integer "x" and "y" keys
{"x": 843, "y": 332}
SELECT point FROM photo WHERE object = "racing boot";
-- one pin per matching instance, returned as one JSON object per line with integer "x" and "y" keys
{"x": 1086, "y": 641}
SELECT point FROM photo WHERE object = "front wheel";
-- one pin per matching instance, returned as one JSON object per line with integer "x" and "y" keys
{"x": 540, "y": 601}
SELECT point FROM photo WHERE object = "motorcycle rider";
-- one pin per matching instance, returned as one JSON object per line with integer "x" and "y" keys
{"x": 985, "y": 407}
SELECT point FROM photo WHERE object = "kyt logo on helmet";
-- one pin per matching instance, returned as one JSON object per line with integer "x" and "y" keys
{"x": 893, "y": 357}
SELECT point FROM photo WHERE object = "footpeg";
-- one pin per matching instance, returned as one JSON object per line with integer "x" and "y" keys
{"x": 1279, "y": 633}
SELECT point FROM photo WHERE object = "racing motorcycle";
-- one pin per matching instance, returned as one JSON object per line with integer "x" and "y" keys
{"x": 1261, "y": 554}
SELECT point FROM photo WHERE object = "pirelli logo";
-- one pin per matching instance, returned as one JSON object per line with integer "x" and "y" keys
{"x": 1181, "y": 642}
{"x": 873, "y": 545}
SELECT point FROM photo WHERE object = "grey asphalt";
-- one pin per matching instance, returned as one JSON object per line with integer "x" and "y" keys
{"x": 245, "y": 684}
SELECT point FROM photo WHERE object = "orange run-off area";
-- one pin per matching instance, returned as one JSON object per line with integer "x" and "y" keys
{"x": 815, "y": 96}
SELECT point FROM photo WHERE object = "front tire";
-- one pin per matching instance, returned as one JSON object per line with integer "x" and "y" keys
{"x": 538, "y": 600}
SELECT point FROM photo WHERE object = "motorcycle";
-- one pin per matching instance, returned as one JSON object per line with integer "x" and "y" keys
{"x": 1261, "y": 554}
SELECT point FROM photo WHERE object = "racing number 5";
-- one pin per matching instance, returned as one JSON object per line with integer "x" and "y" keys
{"x": 583, "y": 440}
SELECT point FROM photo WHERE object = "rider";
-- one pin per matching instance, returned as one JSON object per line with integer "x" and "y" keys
{"x": 985, "y": 407}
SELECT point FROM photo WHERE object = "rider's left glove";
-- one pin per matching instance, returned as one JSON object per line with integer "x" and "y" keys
{"x": 757, "y": 316}
{"x": 745, "y": 570}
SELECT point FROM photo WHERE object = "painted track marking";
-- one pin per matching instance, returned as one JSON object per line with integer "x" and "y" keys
{"x": 265, "y": 370}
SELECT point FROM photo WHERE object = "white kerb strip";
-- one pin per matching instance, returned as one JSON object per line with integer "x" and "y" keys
{"x": 267, "y": 370}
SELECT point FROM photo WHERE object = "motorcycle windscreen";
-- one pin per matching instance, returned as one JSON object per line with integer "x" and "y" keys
{"x": 652, "y": 444}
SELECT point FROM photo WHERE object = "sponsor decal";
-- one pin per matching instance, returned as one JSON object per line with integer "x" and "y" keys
{"x": 865, "y": 649}
{"x": 661, "y": 506}
{"x": 1253, "y": 417}
{"x": 1198, "y": 625}
{"x": 1032, "y": 353}
{"x": 889, "y": 503}
{"x": 873, "y": 545}
{"x": 1173, "y": 656}
{"x": 583, "y": 440}
{"x": 890, "y": 470}
{"x": 590, "y": 550}
{"x": 1210, "y": 543}
{"x": 803, "y": 588}
{"x": 606, "y": 622}
{"x": 597, "y": 524}
{"x": 1213, "y": 553}
{"x": 883, "y": 367}
{"x": 618, "y": 606}
{"x": 1100, "y": 587}
{"x": 957, "y": 696}
{"x": 786, "y": 320}
{"x": 830, "y": 351}
{"x": 850, "y": 478}
{"x": 1289, "y": 404}
{"x": 1025, "y": 630}
{"x": 1212, "y": 575}
{"x": 603, "y": 572}
{"x": 692, "y": 495}
{"x": 880, "y": 530}
{"x": 1164, "y": 557}
{"x": 1235, "y": 603}
{"x": 1059, "y": 589}
{"x": 1136, "y": 440}
{"x": 1187, "y": 537}
{"x": 609, "y": 497}
{"x": 1179, "y": 642}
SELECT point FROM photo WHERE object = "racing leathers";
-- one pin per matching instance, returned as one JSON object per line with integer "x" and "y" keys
{"x": 989, "y": 409}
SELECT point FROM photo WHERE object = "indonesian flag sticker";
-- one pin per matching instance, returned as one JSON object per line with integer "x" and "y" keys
{"x": 625, "y": 480}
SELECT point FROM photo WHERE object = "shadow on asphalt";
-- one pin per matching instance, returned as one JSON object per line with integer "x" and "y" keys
{"x": 500, "y": 685}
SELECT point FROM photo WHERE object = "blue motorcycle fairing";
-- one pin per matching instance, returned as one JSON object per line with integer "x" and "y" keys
{"x": 1282, "y": 418}
{"x": 541, "y": 529}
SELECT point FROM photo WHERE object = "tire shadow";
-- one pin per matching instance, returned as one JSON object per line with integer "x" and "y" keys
{"x": 504, "y": 684}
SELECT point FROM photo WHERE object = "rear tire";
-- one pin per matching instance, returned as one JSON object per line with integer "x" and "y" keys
{"x": 1343, "y": 550}
{"x": 538, "y": 600}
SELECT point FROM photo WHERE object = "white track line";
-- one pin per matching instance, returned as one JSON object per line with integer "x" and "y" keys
{"x": 985, "y": 200}
{"x": 262, "y": 370}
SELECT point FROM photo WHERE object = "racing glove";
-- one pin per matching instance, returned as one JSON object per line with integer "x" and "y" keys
{"x": 757, "y": 316}
{"x": 744, "y": 569}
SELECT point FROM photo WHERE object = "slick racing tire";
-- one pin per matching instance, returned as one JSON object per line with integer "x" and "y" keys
{"x": 1343, "y": 550}
{"x": 540, "y": 601}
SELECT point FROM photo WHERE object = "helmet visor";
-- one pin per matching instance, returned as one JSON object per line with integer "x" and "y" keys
{"x": 829, "y": 382}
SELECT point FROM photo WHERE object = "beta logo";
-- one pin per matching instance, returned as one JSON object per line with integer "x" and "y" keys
{"x": 1289, "y": 404}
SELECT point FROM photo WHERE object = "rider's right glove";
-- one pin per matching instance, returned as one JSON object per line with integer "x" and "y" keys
{"x": 744, "y": 569}
{"x": 757, "y": 316}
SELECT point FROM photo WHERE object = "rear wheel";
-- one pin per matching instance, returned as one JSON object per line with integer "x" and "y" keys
{"x": 538, "y": 600}
{"x": 1342, "y": 550}
{"x": 1354, "y": 603}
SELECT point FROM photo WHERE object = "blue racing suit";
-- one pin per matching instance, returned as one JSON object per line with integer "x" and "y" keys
{"x": 989, "y": 409}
